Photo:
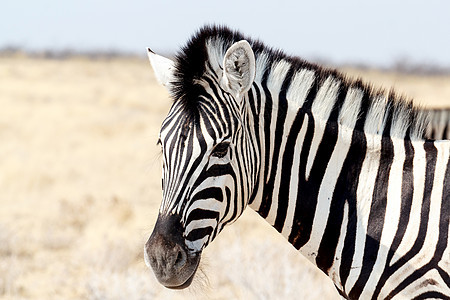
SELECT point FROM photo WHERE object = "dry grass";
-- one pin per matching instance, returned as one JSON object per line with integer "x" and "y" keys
{"x": 80, "y": 188}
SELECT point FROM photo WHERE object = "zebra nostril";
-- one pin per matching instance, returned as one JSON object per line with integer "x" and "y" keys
{"x": 181, "y": 258}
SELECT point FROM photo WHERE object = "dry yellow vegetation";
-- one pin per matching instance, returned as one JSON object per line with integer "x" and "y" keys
{"x": 80, "y": 189}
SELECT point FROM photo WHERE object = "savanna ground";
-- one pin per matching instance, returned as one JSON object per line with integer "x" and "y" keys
{"x": 80, "y": 189}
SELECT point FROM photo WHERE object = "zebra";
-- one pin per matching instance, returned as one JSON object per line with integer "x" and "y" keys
{"x": 341, "y": 169}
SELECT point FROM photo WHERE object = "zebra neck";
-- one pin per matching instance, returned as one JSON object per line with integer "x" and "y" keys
{"x": 314, "y": 142}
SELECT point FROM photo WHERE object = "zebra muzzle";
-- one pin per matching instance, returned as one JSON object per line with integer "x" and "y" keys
{"x": 166, "y": 253}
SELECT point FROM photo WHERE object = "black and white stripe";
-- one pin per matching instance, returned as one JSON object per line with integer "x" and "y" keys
{"x": 340, "y": 169}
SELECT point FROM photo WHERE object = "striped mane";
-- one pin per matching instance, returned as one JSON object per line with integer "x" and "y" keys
{"x": 389, "y": 113}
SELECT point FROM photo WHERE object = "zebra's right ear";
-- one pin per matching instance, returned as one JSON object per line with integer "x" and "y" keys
{"x": 162, "y": 66}
{"x": 239, "y": 68}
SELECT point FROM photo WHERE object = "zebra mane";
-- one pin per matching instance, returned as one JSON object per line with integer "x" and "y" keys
{"x": 386, "y": 113}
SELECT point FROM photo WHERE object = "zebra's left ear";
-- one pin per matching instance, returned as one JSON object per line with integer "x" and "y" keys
{"x": 239, "y": 68}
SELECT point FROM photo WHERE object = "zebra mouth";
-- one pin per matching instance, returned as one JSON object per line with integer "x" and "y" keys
{"x": 186, "y": 284}
{"x": 191, "y": 267}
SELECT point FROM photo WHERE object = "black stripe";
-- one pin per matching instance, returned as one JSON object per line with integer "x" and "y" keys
{"x": 311, "y": 187}
{"x": 446, "y": 131}
{"x": 174, "y": 184}
{"x": 431, "y": 295}
{"x": 444, "y": 274}
{"x": 301, "y": 226}
{"x": 211, "y": 69}
{"x": 376, "y": 215}
{"x": 264, "y": 208}
{"x": 267, "y": 131}
{"x": 355, "y": 158}
{"x": 445, "y": 217}
{"x": 366, "y": 103}
{"x": 306, "y": 202}
{"x": 268, "y": 189}
{"x": 431, "y": 157}
{"x": 442, "y": 242}
{"x": 231, "y": 218}
{"x": 200, "y": 139}
{"x": 172, "y": 113}
{"x": 324, "y": 153}
{"x": 257, "y": 142}
{"x": 252, "y": 102}
{"x": 345, "y": 190}
{"x": 227, "y": 209}
{"x": 201, "y": 214}
{"x": 286, "y": 167}
{"x": 334, "y": 115}
{"x": 405, "y": 211}
{"x": 199, "y": 233}
{"x": 208, "y": 193}
{"x": 242, "y": 174}
{"x": 214, "y": 171}
{"x": 327, "y": 247}
{"x": 179, "y": 148}
{"x": 222, "y": 120}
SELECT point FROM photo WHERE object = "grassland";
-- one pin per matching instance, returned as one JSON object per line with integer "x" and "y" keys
{"x": 80, "y": 189}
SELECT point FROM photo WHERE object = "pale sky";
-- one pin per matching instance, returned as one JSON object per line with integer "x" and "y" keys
{"x": 371, "y": 32}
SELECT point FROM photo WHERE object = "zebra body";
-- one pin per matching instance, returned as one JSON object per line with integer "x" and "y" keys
{"x": 338, "y": 168}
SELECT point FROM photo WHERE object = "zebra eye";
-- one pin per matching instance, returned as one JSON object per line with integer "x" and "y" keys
{"x": 221, "y": 150}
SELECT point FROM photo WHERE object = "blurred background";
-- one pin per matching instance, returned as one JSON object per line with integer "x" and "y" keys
{"x": 378, "y": 33}
{"x": 80, "y": 112}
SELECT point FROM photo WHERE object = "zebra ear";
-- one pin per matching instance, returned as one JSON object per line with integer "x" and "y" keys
{"x": 163, "y": 67}
{"x": 239, "y": 68}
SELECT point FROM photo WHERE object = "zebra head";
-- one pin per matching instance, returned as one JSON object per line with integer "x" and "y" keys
{"x": 208, "y": 155}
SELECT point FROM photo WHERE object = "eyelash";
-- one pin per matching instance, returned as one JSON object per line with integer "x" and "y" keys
{"x": 220, "y": 150}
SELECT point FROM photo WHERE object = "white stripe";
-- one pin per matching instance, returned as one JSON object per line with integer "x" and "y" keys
{"x": 327, "y": 189}
{"x": 296, "y": 94}
{"x": 262, "y": 61}
{"x": 321, "y": 109}
{"x": 258, "y": 198}
{"x": 350, "y": 109}
{"x": 376, "y": 116}
{"x": 419, "y": 168}
{"x": 422, "y": 285}
{"x": 392, "y": 215}
{"x": 202, "y": 223}
{"x": 334, "y": 270}
{"x": 274, "y": 83}
{"x": 325, "y": 99}
{"x": 196, "y": 245}
{"x": 293, "y": 186}
{"x": 210, "y": 203}
{"x": 364, "y": 194}
{"x": 300, "y": 85}
{"x": 215, "y": 50}
{"x": 400, "y": 122}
